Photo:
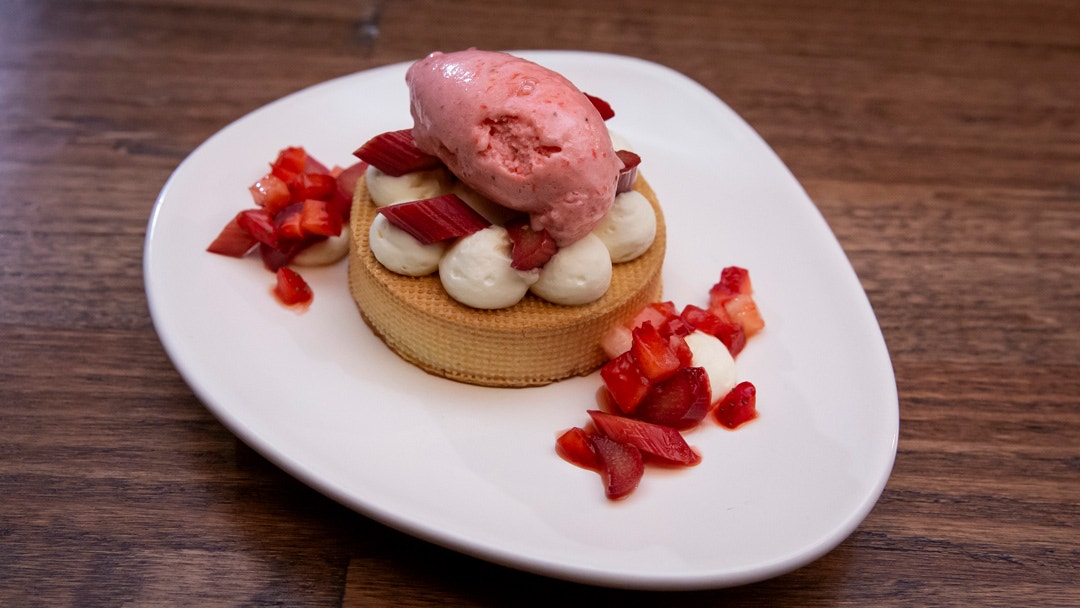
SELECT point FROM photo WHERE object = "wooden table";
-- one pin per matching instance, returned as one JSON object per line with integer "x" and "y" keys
{"x": 940, "y": 140}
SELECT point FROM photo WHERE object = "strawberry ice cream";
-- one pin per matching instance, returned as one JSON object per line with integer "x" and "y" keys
{"x": 519, "y": 134}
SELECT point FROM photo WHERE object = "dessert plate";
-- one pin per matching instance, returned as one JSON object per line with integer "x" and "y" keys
{"x": 475, "y": 469}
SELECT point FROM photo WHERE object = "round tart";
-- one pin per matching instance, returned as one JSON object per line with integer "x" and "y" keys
{"x": 531, "y": 343}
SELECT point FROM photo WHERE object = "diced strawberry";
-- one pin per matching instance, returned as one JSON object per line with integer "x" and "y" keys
{"x": 621, "y": 466}
{"x": 716, "y": 307}
{"x": 287, "y": 226}
{"x": 663, "y": 442}
{"x": 676, "y": 327}
{"x": 260, "y": 225}
{"x": 289, "y": 163}
{"x": 574, "y": 446}
{"x": 731, "y": 334}
{"x": 666, "y": 308}
{"x": 733, "y": 281}
{"x": 291, "y": 288}
{"x": 679, "y": 346}
{"x": 744, "y": 311}
{"x": 319, "y": 186}
{"x": 235, "y": 241}
{"x": 680, "y": 402}
{"x": 653, "y": 353}
{"x": 320, "y": 217}
{"x": 531, "y": 249}
{"x": 701, "y": 319}
{"x": 616, "y": 341}
{"x": 311, "y": 165}
{"x": 435, "y": 219}
{"x": 623, "y": 378}
{"x": 395, "y": 153}
{"x": 270, "y": 192}
{"x": 603, "y": 107}
{"x": 738, "y": 406}
{"x": 657, "y": 313}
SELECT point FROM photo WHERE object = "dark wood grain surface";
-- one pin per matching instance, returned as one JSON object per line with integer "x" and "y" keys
{"x": 940, "y": 140}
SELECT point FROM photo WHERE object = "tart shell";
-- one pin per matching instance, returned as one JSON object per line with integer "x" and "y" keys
{"x": 531, "y": 343}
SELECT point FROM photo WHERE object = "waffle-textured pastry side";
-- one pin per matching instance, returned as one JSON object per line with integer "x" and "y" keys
{"x": 529, "y": 344}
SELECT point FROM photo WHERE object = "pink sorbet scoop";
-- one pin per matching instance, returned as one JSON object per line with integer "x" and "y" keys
{"x": 518, "y": 133}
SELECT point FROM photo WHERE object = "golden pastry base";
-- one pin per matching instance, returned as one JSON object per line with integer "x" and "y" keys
{"x": 531, "y": 343}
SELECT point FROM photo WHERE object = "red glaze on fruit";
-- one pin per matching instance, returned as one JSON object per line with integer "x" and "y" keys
{"x": 660, "y": 441}
{"x": 291, "y": 288}
{"x": 651, "y": 389}
{"x": 621, "y": 466}
{"x": 574, "y": 446}
{"x": 395, "y": 153}
{"x": 680, "y": 402}
{"x": 654, "y": 354}
{"x": 627, "y": 385}
{"x": 431, "y": 220}
{"x": 530, "y": 248}
{"x": 738, "y": 406}
{"x": 299, "y": 203}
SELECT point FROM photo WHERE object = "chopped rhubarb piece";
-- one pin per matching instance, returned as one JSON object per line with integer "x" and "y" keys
{"x": 291, "y": 288}
{"x": 730, "y": 333}
{"x": 603, "y": 107}
{"x": 663, "y": 442}
{"x": 347, "y": 179}
{"x": 630, "y": 159}
{"x": 531, "y": 249}
{"x": 574, "y": 447}
{"x": 320, "y": 217}
{"x": 738, "y": 406}
{"x": 654, "y": 354}
{"x": 233, "y": 240}
{"x": 435, "y": 219}
{"x": 629, "y": 171}
{"x": 395, "y": 153}
{"x": 680, "y": 402}
{"x": 270, "y": 192}
{"x": 627, "y": 385}
{"x": 621, "y": 466}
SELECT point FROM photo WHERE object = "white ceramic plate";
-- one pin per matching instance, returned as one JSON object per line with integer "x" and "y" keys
{"x": 474, "y": 469}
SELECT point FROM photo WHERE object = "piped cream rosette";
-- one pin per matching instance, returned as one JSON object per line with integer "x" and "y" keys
{"x": 476, "y": 271}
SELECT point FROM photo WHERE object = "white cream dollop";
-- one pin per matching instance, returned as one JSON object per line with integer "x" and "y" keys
{"x": 400, "y": 252}
{"x": 711, "y": 354}
{"x": 577, "y": 274}
{"x": 629, "y": 227}
{"x": 326, "y": 252}
{"x": 387, "y": 189}
{"x": 476, "y": 271}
